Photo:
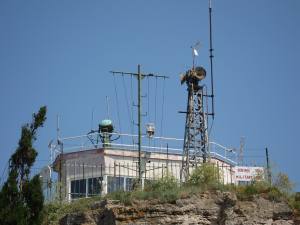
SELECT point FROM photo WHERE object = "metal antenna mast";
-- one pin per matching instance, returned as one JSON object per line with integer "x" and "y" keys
{"x": 211, "y": 63}
{"x": 107, "y": 107}
{"x": 195, "y": 146}
{"x": 241, "y": 152}
{"x": 139, "y": 76}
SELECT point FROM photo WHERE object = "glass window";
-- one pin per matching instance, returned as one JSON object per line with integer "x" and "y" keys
{"x": 130, "y": 182}
{"x": 115, "y": 184}
{"x": 94, "y": 186}
{"x": 78, "y": 188}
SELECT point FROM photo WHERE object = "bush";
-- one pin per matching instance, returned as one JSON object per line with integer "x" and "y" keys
{"x": 247, "y": 192}
{"x": 283, "y": 183}
{"x": 164, "y": 190}
{"x": 164, "y": 184}
{"x": 206, "y": 176}
{"x": 123, "y": 196}
{"x": 294, "y": 202}
{"x": 297, "y": 196}
{"x": 274, "y": 194}
{"x": 54, "y": 211}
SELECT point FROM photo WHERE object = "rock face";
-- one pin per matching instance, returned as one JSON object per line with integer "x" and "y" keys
{"x": 208, "y": 208}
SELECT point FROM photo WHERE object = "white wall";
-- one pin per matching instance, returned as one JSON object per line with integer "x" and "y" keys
{"x": 124, "y": 163}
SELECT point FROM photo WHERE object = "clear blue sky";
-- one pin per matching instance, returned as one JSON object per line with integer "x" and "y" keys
{"x": 59, "y": 54}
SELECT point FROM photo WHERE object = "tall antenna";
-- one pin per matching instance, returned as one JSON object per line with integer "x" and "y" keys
{"x": 57, "y": 128}
{"x": 92, "y": 119}
{"x": 241, "y": 152}
{"x": 61, "y": 155}
{"x": 107, "y": 106}
{"x": 211, "y": 61}
{"x": 139, "y": 75}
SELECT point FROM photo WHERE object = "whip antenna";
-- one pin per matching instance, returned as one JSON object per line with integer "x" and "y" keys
{"x": 211, "y": 61}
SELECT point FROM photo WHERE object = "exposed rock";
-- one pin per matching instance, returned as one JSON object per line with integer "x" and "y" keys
{"x": 208, "y": 208}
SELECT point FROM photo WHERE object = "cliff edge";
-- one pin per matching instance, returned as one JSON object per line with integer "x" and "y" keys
{"x": 210, "y": 208}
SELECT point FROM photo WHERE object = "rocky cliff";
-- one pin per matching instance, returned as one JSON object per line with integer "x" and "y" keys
{"x": 207, "y": 208}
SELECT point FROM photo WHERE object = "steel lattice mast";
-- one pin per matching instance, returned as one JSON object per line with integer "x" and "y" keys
{"x": 195, "y": 147}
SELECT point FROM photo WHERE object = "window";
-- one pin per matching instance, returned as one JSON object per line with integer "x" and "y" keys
{"x": 94, "y": 186}
{"x": 78, "y": 188}
{"x": 130, "y": 182}
{"x": 86, "y": 187}
{"x": 115, "y": 184}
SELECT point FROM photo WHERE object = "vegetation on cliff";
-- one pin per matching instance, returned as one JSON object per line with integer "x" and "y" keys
{"x": 168, "y": 190}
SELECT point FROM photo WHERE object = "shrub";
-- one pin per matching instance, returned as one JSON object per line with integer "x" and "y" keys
{"x": 294, "y": 202}
{"x": 207, "y": 176}
{"x": 123, "y": 196}
{"x": 55, "y": 210}
{"x": 247, "y": 192}
{"x": 164, "y": 184}
{"x": 283, "y": 183}
{"x": 297, "y": 196}
{"x": 274, "y": 194}
{"x": 165, "y": 189}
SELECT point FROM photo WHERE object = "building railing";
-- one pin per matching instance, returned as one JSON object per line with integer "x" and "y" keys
{"x": 121, "y": 141}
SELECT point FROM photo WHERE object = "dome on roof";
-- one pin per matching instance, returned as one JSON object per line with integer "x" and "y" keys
{"x": 106, "y": 122}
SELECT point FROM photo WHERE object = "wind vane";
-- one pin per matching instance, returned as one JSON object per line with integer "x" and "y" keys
{"x": 195, "y": 48}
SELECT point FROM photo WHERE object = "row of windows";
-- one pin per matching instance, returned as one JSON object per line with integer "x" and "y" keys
{"x": 86, "y": 187}
{"x": 93, "y": 186}
{"x": 120, "y": 184}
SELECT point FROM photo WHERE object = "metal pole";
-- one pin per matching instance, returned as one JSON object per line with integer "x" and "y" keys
{"x": 211, "y": 62}
{"x": 107, "y": 105}
{"x": 60, "y": 174}
{"x": 268, "y": 166}
{"x": 60, "y": 157}
{"x": 57, "y": 128}
{"x": 92, "y": 181}
{"x": 60, "y": 169}
{"x": 139, "y": 122}
{"x": 139, "y": 76}
{"x": 120, "y": 178}
{"x": 167, "y": 162}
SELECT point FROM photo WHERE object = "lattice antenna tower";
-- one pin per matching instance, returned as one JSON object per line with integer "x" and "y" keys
{"x": 241, "y": 152}
{"x": 195, "y": 146}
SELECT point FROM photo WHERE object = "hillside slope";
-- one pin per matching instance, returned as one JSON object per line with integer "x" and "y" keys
{"x": 214, "y": 208}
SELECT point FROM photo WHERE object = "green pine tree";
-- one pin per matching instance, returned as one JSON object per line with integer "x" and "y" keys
{"x": 21, "y": 197}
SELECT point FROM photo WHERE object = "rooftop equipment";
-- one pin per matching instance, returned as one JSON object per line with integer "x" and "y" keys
{"x": 105, "y": 130}
{"x": 150, "y": 129}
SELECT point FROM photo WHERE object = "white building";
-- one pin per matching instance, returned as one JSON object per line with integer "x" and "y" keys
{"x": 90, "y": 170}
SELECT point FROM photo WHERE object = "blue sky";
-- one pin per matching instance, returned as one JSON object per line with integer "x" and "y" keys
{"x": 59, "y": 54}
